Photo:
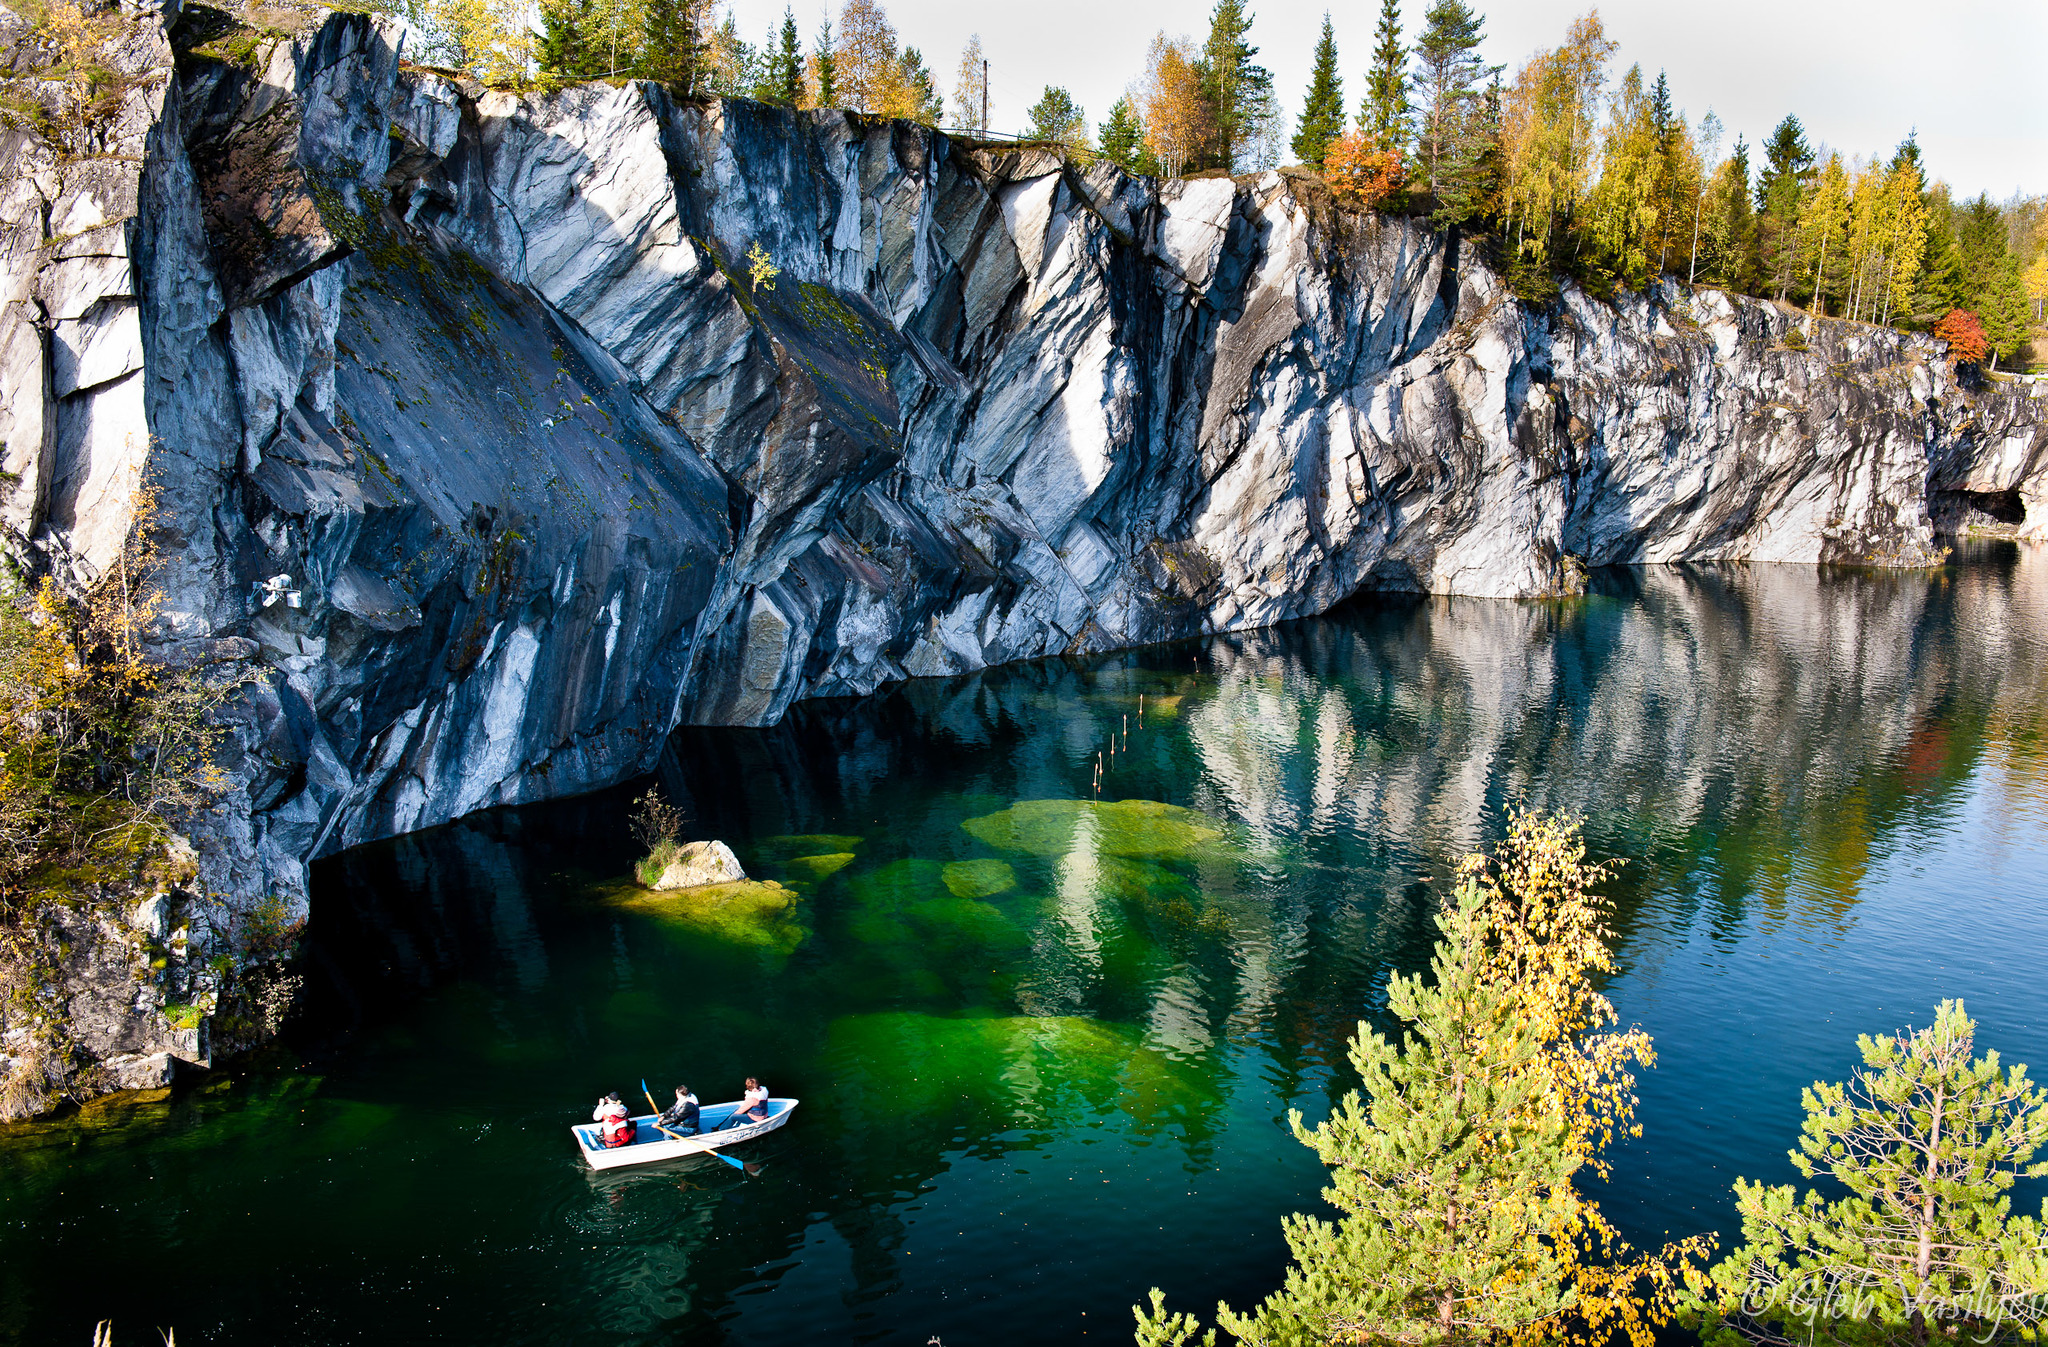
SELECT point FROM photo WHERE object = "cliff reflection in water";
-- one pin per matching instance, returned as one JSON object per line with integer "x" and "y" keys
{"x": 1034, "y": 1028}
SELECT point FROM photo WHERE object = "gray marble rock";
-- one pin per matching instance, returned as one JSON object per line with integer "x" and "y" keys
{"x": 488, "y": 460}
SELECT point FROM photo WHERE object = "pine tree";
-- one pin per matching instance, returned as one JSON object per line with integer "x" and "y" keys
{"x": 1232, "y": 84}
{"x": 1452, "y": 139}
{"x": 1322, "y": 115}
{"x": 1383, "y": 116}
{"x": 784, "y": 82}
{"x": 1927, "y": 1140}
{"x": 1446, "y": 1170}
{"x": 1123, "y": 140}
{"x": 925, "y": 104}
{"x": 1056, "y": 116}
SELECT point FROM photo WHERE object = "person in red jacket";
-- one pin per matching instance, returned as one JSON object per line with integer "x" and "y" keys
{"x": 616, "y": 1128}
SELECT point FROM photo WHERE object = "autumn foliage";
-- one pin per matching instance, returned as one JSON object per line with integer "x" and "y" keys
{"x": 1360, "y": 175}
{"x": 1967, "y": 344}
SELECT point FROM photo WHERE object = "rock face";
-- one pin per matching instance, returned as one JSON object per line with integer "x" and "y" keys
{"x": 484, "y": 381}
{"x": 700, "y": 863}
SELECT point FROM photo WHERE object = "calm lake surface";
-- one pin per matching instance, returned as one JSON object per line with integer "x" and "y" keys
{"x": 1045, "y": 1048}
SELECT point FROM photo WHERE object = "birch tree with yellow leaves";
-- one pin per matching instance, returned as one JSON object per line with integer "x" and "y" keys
{"x": 1454, "y": 1166}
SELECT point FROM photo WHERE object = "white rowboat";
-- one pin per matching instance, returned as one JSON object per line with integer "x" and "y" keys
{"x": 651, "y": 1144}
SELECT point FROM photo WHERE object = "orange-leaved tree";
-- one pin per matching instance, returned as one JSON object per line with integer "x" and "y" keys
{"x": 1964, "y": 333}
{"x": 1360, "y": 175}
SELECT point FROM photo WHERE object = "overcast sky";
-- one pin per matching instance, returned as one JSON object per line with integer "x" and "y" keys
{"x": 1972, "y": 75}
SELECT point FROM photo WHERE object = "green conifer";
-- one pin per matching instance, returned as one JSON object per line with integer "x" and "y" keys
{"x": 1123, "y": 140}
{"x": 1925, "y": 1140}
{"x": 668, "y": 44}
{"x": 785, "y": 78}
{"x": 1446, "y": 1171}
{"x": 1322, "y": 115}
{"x": 1455, "y": 131}
{"x": 828, "y": 68}
{"x": 1233, "y": 86}
{"x": 1383, "y": 116}
{"x": 566, "y": 48}
{"x": 930, "y": 104}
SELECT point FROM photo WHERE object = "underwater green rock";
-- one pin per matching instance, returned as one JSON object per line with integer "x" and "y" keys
{"x": 746, "y": 914}
{"x": 1145, "y": 829}
{"x": 787, "y": 845}
{"x": 817, "y": 869}
{"x": 912, "y": 904}
{"x": 979, "y": 879}
{"x": 1036, "y": 1070}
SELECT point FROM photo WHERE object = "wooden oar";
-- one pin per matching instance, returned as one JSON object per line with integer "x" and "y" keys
{"x": 657, "y": 1111}
{"x": 673, "y": 1137}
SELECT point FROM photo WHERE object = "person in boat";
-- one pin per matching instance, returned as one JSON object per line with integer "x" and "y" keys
{"x": 616, "y": 1127}
{"x": 755, "y": 1109}
{"x": 681, "y": 1116}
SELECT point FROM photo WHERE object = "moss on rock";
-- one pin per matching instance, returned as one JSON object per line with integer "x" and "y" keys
{"x": 1144, "y": 829}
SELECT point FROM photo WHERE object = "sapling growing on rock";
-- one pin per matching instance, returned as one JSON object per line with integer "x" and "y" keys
{"x": 657, "y": 826}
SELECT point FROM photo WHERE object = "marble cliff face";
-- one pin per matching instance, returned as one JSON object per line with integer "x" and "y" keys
{"x": 488, "y": 380}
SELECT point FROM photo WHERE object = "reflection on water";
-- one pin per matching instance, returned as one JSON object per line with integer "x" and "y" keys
{"x": 1045, "y": 1036}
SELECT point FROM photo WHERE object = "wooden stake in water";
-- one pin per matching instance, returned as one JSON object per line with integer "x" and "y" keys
{"x": 1127, "y": 731}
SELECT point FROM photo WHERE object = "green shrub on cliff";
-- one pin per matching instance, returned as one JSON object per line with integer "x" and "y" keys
{"x": 104, "y": 749}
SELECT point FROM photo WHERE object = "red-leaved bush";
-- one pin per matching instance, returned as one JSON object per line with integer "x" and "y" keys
{"x": 1967, "y": 344}
{"x": 1360, "y": 175}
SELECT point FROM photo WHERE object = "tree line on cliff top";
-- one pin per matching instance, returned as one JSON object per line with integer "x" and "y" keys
{"x": 1569, "y": 171}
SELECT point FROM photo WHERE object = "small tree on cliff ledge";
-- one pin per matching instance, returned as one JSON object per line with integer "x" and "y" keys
{"x": 1454, "y": 1167}
{"x": 1967, "y": 344}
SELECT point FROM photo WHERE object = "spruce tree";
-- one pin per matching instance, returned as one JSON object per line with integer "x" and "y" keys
{"x": 785, "y": 78}
{"x": 565, "y": 47}
{"x": 1787, "y": 162}
{"x": 1923, "y": 1142}
{"x": 1383, "y": 116}
{"x": 1322, "y": 115}
{"x": 668, "y": 44}
{"x": 827, "y": 67}
{"x": 1123, "y": 140}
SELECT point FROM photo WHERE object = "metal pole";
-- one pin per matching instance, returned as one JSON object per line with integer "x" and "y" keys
{"x": 984, "y": 93}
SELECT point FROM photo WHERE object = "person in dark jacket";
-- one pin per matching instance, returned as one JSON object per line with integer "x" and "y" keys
{"x": 681, "y": 1116}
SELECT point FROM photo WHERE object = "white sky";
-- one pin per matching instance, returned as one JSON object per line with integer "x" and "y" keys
{"x": 1972, "y": 75}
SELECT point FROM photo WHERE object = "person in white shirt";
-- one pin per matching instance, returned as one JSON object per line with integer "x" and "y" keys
{"x": 618, "y": 1126}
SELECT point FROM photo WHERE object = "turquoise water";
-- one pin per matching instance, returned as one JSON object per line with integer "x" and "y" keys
{"x": 1045, "y": 1039}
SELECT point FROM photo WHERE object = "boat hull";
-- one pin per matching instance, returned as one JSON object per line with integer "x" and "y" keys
{"x": 651, "y": 1145}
